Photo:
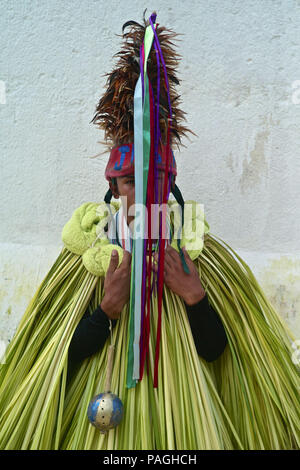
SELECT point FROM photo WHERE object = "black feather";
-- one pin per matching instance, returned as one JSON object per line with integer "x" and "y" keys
{"x": 130, "y": 23}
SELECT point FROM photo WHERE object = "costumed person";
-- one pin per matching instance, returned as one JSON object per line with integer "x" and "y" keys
{"x": 200, "y": 360}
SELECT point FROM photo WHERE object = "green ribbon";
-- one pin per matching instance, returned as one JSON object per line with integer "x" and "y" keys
{"x": 130, "y": 382}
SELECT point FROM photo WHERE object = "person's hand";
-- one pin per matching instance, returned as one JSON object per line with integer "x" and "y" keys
{"x": 117, "y": 285}
{"x": 188, "y": 286}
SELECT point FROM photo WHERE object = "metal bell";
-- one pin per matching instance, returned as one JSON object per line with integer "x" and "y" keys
{"x": 105, "y": 411}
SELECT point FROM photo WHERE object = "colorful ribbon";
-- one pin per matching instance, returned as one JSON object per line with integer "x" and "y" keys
{"x": 142, "y": 141}
{"x": 146, "y": 148}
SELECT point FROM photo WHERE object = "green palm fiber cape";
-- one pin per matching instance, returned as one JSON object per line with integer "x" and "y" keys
{"x": 247, "y": 399}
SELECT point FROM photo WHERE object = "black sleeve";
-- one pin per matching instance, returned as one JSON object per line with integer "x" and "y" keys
{"x": 207, "y": 329}
{"x": 93, "y": 330}
{"x": 89, "y": 336}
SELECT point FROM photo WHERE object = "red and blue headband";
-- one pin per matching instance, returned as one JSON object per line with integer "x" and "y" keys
{"x": 121, "y": 161}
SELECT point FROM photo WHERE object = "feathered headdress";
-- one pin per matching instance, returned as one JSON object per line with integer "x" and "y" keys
{"x": 139, "y": 113}
{"x": 115, "y": 110}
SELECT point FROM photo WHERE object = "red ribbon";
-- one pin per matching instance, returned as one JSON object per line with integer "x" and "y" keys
{"x": 161, "y": 264}
{"x": 150, "y": 201}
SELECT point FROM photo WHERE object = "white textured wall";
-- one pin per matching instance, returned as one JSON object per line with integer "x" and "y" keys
{"x": 240, "y": 62}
